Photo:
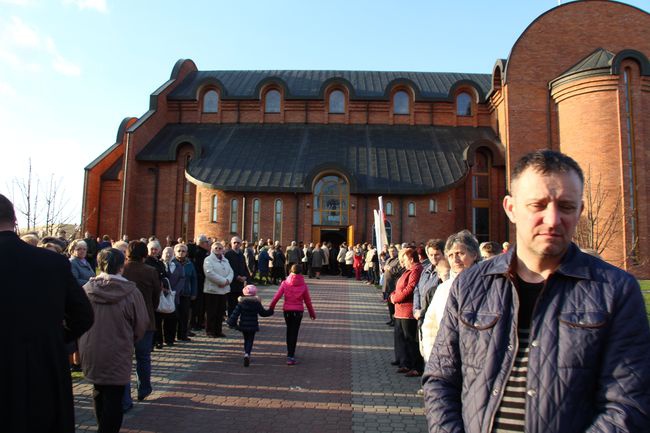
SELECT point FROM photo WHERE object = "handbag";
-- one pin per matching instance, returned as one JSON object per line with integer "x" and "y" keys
{"x": 166, "y": 304}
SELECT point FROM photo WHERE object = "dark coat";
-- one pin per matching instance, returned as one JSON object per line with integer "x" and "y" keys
{"x": 244, "y": 316}
{"x": 148, "y": 282}
{"x": 589, "y": 359}
{"x": 239, "y": 269}
{"x": 263, "y": 261}
{"x": 42, "y": 307}
{"x": 199, "y": 256}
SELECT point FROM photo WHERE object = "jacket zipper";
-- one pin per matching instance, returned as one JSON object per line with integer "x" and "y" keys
{"x": 515, "y": 350}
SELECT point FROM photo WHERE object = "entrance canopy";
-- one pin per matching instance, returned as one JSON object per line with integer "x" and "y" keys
{"x": 377, "y": 159}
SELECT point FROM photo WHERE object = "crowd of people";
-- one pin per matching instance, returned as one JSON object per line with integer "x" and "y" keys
{"x": 469, "y": 317}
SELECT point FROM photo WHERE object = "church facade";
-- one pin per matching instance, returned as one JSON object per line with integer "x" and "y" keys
{"x": 304, "y": 155}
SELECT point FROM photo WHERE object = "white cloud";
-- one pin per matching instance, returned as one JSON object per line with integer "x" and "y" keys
{"x": 6, "y": 89}
{"x": 98, "y": 5}
{"x": 21, "y": 35}
{"x": 59, "y": 63}
{"x": 24, "y": 49}
{"x": 17, "y": 2}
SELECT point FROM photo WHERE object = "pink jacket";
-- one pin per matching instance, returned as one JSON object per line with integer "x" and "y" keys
{"x": 295, "y": 292}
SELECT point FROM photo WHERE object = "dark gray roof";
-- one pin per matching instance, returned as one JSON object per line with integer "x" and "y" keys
{"x": 597, "y": 63}
{"x": 311, "y": 84}
{"x": 286, "y": 157}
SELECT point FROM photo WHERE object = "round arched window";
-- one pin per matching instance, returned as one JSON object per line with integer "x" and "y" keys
{"x": 463, "y": 104}
{"x": 272, "y": 101}
{"x": 211, "y": 102}
{"x": 331, "y": 198}
{"x": 337, "y": 102}
{"x": 401, "y": 103}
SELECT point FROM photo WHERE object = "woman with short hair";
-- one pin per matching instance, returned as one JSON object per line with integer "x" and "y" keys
{"x": 462, "y": 252}
{"x": 81, "y": 268}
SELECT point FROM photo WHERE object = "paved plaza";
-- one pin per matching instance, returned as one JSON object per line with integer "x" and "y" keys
{"x": 343, "y": 382}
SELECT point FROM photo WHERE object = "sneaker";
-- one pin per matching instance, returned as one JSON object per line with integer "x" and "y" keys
{"x": 247, "y": 361}
{"x": 291, "y": 361}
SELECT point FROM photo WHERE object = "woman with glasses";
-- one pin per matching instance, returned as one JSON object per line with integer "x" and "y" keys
{"x": 81, "y": 268}
{"x": 218, "y": 276}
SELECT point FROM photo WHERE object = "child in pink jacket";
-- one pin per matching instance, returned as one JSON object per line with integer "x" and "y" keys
{"x": 296, "y": 293}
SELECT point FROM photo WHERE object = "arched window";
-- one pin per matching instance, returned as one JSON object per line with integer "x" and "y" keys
{"x": 481, "y": 196}
{"x": 255, "y": 229}
{"x": 463, "y": 104}
{"x": 433, "y": 205}
{"x": 187, "y": 193}
{"x": 411, "y": 209}
{"x": 213, "y": 209}
{"x": 337, "y": 102}
{"x": 272, "y": 101}
{"x": 331, "y": 198}
{"x": 234, "y": 215}
{"x": 389, "y": 233}
{"x": 401, "y": 103}
{"x": 211, "y": 102}
{"x": 277, "y": 221}
{"x": 389, "y": 208}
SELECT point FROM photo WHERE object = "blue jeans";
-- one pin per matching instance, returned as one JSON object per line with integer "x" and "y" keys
{"x": 142, "y": 369}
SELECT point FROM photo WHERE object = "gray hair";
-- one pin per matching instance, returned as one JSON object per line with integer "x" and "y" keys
{"x": 153, "y": 244}
{"x": 465, "y": 238}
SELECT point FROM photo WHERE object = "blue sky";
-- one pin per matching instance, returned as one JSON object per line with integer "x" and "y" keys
{"x": 71, "y": 70}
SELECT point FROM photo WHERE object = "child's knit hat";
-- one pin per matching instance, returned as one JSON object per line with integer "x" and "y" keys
{"x": 250, "y": 290}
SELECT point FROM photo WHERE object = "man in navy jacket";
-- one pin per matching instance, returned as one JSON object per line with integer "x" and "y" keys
{"x": 544, "y": 338}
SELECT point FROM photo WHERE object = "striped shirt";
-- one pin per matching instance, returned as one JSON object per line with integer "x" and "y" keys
{"x": 511, "y": 415}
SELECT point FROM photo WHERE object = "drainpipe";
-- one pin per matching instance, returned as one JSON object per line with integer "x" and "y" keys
{"x": 243, "y": 218}
{"x": 295, "y": 234}
{"x": 155, "y": 172}
{"x": 401, "y": 219}
{"x": 125, "y": 176}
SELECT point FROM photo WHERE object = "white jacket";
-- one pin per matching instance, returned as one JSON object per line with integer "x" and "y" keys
{"x": 433, "y": 317}
{"x": 217, "y": 274}
{"x": 349, "y": 256}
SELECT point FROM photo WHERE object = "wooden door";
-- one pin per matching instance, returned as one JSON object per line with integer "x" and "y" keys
{"x": 315, "y": 234}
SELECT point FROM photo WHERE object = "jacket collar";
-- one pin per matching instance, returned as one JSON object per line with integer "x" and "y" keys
{"x": 574, "y": 264}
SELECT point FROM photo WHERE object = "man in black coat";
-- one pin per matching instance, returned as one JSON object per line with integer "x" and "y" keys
{"x": 37, "y": 285}
{"x": 235, "y": 257}
{"x": 202, "y": 250}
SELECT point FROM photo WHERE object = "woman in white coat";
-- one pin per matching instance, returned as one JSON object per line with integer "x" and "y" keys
{"x": 218, "y": 276}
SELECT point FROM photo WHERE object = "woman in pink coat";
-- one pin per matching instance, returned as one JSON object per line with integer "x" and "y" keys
{"x": 296, "y": 296}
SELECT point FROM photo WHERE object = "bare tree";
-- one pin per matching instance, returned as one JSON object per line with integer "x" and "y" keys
{"x": 45, "y": 210}
{"x": 28, "y": 189}
{"x": 55, "y": 207}
{"x": 600, "y": 221}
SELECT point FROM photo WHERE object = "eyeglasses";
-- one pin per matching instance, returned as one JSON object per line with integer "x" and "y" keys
{"x": 182, "y": 251}
{"x": 236, "y": 242}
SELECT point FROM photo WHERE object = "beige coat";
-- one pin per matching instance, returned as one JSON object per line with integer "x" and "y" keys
{"x": 218, "y": 275}
{"x": 121, "y": 319}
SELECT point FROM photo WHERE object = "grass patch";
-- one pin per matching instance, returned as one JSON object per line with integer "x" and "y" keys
{"x": 76, "y": 376}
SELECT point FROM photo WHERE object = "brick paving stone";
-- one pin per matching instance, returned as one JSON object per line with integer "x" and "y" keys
{"x": 343, "y": 381}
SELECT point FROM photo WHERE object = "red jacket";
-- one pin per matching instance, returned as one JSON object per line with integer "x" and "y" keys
{"x": 402, "y": 297}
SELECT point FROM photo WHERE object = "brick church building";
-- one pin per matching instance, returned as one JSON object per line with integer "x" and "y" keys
{"x": 303, "y": 155}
